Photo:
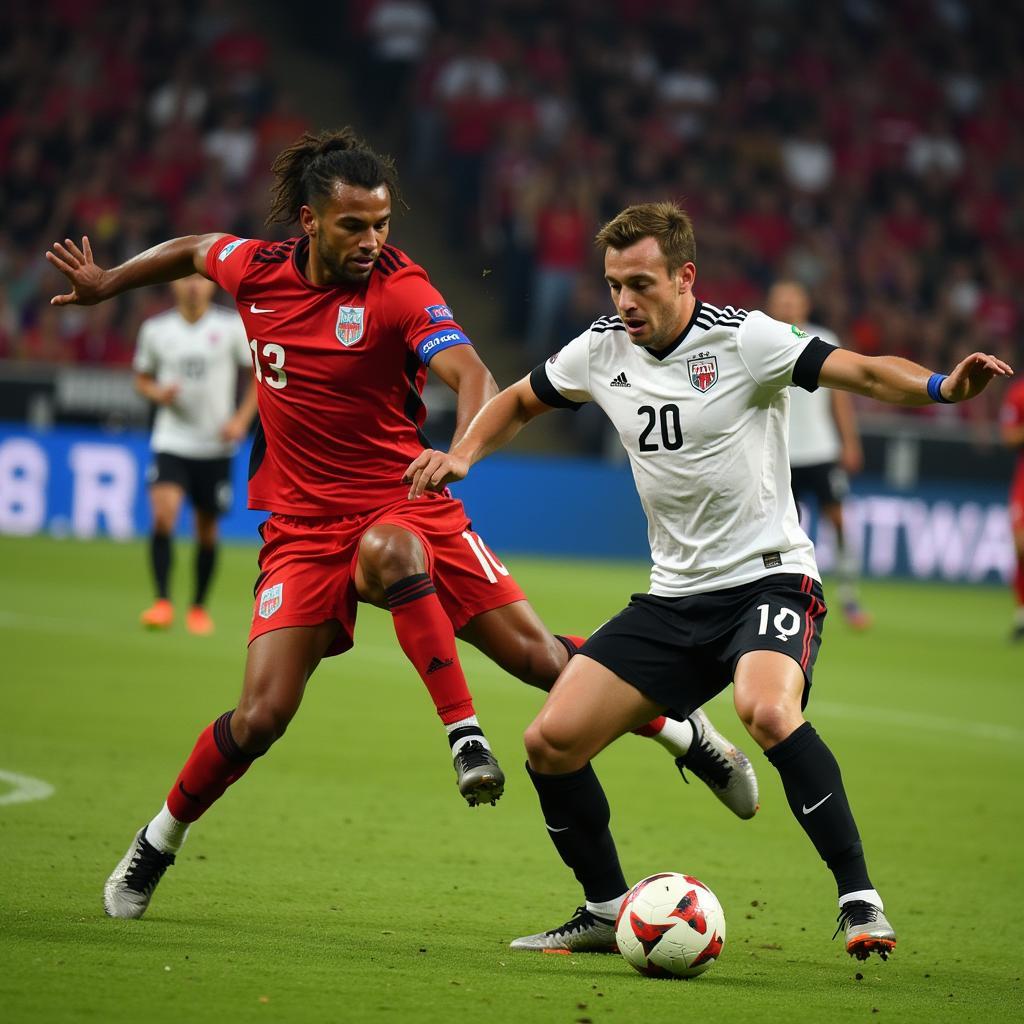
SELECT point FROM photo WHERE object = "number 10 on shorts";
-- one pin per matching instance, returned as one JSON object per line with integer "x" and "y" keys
{"x": 786, "y": 623}
{"x": 487, "y": 560}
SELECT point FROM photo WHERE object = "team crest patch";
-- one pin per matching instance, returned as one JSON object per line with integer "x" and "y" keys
{"x": 438, "y": 313}
{"x": 270, "y": 600}
{"x": 349, "y": 328}
{"x": 703, "y": 371}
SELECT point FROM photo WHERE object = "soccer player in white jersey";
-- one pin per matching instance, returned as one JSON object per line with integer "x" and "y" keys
{"x": 700, "y": 398}
{"x": 824, "y": 447}
{"x": 187, "y": 363}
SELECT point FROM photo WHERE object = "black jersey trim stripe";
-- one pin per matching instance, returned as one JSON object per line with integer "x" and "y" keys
{"x": 259, "y": 448}
{"x": 395, "y": 254}
{"x": 386, "y": 263}
{"x": 807, "y": 368}
{"x": 666, "y": 352}
{"x": 414, "y": 407}
{"x": 546, "y": 391}
{"x": 610, "y": 327}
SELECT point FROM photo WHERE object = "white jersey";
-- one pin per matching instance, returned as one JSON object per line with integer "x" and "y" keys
{"x": 203, "y": 360}
{"x": 813, "y": 435}
{"x": 704, "y": 424}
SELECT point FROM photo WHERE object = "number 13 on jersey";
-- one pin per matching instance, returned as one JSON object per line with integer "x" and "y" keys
{"x": 274, "y": 357}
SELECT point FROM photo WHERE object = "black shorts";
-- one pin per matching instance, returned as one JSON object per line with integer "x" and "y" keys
{"x": 682, "y": 651}
{"x": 207, "y": 482}
{"x": 826, "y": 482}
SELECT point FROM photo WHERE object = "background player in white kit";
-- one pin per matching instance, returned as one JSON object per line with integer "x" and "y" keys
{"x": 699, "y": 396}
{"x": 187, "y": 362}
{"x": 824, "y": 447}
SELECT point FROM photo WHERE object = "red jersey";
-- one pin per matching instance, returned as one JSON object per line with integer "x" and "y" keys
{"x": 1012, "y": 415}
{"x": 340, "y": 369}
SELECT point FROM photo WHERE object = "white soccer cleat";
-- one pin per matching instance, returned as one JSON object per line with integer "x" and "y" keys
{"x": 128, "y": 890}
{"x": 721, "y": 766}
{"x": 867, "y": 930}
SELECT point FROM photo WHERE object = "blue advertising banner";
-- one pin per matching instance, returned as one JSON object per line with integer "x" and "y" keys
{"x": 87, "y": 483}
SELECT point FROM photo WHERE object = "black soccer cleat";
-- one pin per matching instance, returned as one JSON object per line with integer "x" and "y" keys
{"x": 867, "y": 930}
{"x": 480, "y": 779}
{"x": 129, "y": 889}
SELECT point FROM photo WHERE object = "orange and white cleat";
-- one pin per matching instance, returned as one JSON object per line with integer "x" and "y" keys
{"x": 867, "y": 930}
{"x": 856, "y": 617}
{"x": 198, "y": 621}
{"x": 159, "y": 616}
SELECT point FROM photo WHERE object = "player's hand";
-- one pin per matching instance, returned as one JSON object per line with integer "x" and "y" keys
{"x": 234, "y": 430}
{"x": 78, "y": 267}
{"x": 852, "y": 459}
{"x": 432, "y": 471}
{"x": 167, "y": 394}
{"x": 972, "y": 375}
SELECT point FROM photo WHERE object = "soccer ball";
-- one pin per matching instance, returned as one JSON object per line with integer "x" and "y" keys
{"x": 670, "y": 926}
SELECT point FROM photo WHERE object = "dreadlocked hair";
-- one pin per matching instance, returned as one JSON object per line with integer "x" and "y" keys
{"x": 305, "y": 172}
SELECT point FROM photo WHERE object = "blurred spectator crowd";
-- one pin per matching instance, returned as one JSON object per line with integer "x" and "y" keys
{"x": 872, "y": 150}
{"x": 130, "y": 123}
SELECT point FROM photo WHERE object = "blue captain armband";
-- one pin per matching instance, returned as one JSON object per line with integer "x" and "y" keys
{"x": 934, "y": 385}
{"x": 439, "y": 340}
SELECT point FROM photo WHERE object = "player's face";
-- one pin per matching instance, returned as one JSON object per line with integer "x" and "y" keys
{"x": 789, "y": 302}
{"x": 348, "y": 232}
{"x": 193, "y": 294}
{"x": 653, "y": 304}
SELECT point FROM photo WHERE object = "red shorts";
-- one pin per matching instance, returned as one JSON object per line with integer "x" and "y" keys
{"x": 1017, "y": 503}
{"x": 307, "y": 566}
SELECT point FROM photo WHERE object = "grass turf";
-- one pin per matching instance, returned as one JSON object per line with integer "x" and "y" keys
{"x": 344, "y": 879}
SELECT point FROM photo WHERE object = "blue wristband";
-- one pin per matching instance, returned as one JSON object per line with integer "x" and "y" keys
{"x": 934, "y": 384}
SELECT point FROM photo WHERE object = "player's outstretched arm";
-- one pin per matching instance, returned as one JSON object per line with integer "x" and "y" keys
{"x": 90, "y": 283}
{"x": 492, "y": 427}
{"x": 902, "y": 382}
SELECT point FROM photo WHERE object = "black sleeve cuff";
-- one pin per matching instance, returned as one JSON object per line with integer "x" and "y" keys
{"x": 545, "y": 390}
{"x": 807, "y": 368}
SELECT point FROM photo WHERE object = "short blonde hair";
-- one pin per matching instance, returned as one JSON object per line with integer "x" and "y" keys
{"x": 667, "y": 223}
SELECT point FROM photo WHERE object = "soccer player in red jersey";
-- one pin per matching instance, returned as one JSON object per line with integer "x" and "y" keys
{"x": 342, "y": 327}
{"x": 1012, "y": 420}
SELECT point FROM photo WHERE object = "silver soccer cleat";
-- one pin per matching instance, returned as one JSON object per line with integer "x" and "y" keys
{"x": 480, "y": 779}
{"x": 867, "y": 930}
{"x": 129, "y": 889}
{"x": 721, "y": 766}
{"x": 582, "y": 933}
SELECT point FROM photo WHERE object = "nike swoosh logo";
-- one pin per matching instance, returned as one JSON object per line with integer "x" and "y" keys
{"x": 807, "y": 810}
{"x": 550, "y": 829}
{"x": 188, "y": 796}
{"x": 255, "y": 309}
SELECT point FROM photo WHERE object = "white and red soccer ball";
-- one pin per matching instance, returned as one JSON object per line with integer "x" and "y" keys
{"x": 670, "y": 926}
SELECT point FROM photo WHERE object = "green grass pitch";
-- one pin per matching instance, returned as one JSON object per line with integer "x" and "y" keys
{"x": 344, "y": 879}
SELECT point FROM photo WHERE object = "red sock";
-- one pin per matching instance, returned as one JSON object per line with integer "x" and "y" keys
{"x": 425, "y": 633}
{"x": 215, "y": 762}
{"x": 652, "y": 728}
{"x": 1018, "y": 581}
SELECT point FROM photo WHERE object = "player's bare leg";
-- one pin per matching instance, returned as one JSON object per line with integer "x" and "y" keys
{"x": 277, "y": 669}
{"x": 165, "y": 501}
{"x": 392, "y": 573}
{"x": 768, "y": 689}
{"x": 846, "y": 570}
{"x": 515, "y": 638}
{"x": 198, "y": 620}
{"x": 588, "y": 708}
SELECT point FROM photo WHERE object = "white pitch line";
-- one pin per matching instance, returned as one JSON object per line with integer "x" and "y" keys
{"x": 917, "y": 720}
{"x": 26, "y": 789}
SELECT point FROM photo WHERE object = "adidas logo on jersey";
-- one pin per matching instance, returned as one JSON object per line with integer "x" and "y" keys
{"x": 621, "y": 382}
{"x": 436, "y": 664}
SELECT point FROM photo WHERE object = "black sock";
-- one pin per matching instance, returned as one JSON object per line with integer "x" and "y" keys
{"x": 576, "y": 813}
{"x": 814, "y": 789}
{"x": 206, "y": 559}
{"x": 160, "y": 559}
